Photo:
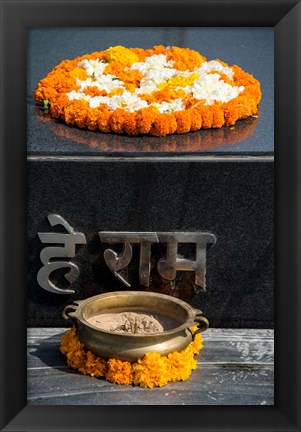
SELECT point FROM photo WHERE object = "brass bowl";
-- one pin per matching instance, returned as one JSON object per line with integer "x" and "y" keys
{"x": 129, "y": 346}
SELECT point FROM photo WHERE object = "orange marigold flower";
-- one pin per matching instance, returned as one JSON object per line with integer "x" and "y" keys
{"x": 233, "y": 112}
{"x": 92, "y": 118}
{"x": 104, "y": 119}
{"x": 117, "y": 120}
{"x": 218, "y": 118}
{"x": 124, "y": 74}
{"x": 119, "y": 372}
{"x": 165, "y": 94}
{"x": 81, "y": 116}
{"x": 196, "y": 119}
{"x": 185, "y": 58}
{"x": 94, "y": 91}
{"x": 44, "y": 93}
{"x": 114, "y": 68}
{"x": 145, "y": 119}
{"x": 183, "y": 119}
{"x": 57, "y": 106}
{"x": 207, "y": 115}
{"x": 140, "y": 52}
{"x": 130, "y": 123}
{"x": 157, "y": 49}
{"x": 163, "y": 125}
{"x": 72, "y": 110}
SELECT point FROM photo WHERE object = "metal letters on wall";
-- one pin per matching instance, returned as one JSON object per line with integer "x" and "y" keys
{"x": 167, "y": 267}
{"x": 66, "y": 251}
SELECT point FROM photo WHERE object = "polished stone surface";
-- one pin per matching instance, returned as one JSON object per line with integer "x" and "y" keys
{"x": 250, "y": 48}
{"x": 235, "y": 367}
{"x": 232, "y": 200}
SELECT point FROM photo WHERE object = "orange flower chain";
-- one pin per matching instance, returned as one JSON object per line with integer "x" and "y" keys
{"x": 157, "y": 91}
{"x": 153, "y": 370}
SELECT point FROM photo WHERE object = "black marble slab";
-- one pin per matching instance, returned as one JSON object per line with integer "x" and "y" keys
{"x": 232, "y": 200}
{"x": 250, "y": 48}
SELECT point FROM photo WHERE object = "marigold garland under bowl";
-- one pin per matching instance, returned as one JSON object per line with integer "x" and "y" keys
{"x": 157, "y": 91}
{"x": 153, "y": 370}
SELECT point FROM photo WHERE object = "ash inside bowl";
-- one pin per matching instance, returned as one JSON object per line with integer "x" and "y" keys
{"x": 132, "y": 322}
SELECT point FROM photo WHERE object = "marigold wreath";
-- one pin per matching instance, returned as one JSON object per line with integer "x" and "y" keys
{"x": 153, "y": 370}
{"x": 157, "y": 91}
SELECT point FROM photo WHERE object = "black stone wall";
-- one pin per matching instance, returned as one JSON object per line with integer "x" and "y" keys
{"x": 233, "y": 200}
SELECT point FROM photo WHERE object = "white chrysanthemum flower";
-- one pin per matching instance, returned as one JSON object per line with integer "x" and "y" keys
{"x": 169, "y": 107}
{"x": 215, "y": 65}
{"x": 211, "y": 88}
{"x": 156, "y": 61}
{"x": 127, "y": 101}
{"x": 93, "y": 67}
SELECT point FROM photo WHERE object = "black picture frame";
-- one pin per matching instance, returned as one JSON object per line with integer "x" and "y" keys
{"x": 16, "y": 17}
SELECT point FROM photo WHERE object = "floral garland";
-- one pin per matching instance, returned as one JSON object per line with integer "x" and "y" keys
{"x": 157, "y": 91}
{"x": 153, "y": 370}
{"x": 208, "y": 140}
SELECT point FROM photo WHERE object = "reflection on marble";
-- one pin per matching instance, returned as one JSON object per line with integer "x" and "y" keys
{"x": 191, "y": 142}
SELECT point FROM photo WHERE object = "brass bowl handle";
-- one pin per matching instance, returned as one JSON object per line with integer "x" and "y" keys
{"x": 70, "y": 316}
{"x": 203, "y": 323}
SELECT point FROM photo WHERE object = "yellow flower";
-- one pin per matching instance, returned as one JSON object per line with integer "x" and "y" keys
{"x": 93, "y": 365}
{"x": 197, "y": 344}
{"x": 179, "y": 81}
{"x": 181, "y": 365}
{"x": 119, "y": 372}
{"x": 121, "y": 54}
{"x": 151, "y": 371}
